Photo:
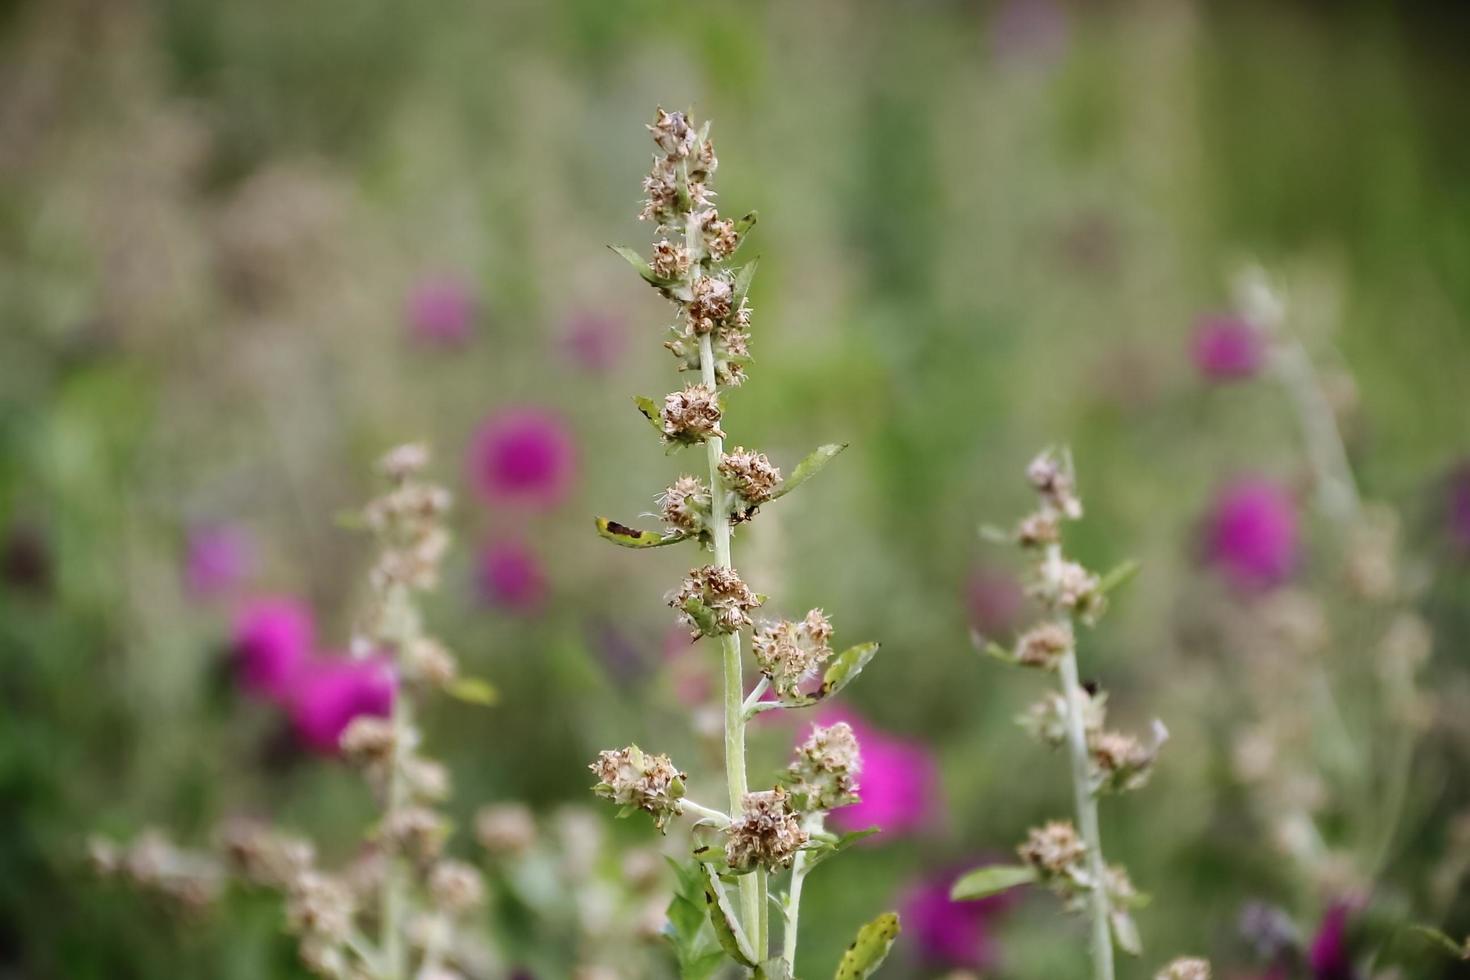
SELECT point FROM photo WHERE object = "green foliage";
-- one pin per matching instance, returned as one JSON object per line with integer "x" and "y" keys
{"x": 868, "y": 951}
{"x": 809, "y": 467}
{"x": 991, "y": 880}
{"x": 630, "y": 537}
{"x": 696, "y": 952}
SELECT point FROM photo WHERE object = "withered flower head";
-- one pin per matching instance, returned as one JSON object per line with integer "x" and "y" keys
{"x": 767, "y": 833}
{"x": 750, "y": 475}
{"x": 685, "y": 506}
{"x": 636, "y": 779}
{"x": 713, "y": 599}
{"x": 713, "y": 301}
{"x": 1043, "y": 646}
{"x": 673, "y": 134}
{"x": 455, "y": 886}
{"x": 670, "y": 261}
{"x": 1185, "y": 968}
{"x": 1054, "y": 483}
{"x": 319, "y": 905}
{"x": 691, "y": 416}
{"x": 720, "y": 237}
{"x": 823, "y": 776}
{"x": 789, "y": 653}
{"x": 1053, "y": 849}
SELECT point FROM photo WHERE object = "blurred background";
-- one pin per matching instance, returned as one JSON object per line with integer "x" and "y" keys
{"x": 246, "y": 247}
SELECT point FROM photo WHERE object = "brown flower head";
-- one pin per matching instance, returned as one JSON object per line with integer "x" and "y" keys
{"x": 750, "y": 475}
{"x": 670, "y": 261}
{"x": 823, "y": 776}
{"x": 685, "y": 506}
{"x": 1043, "y": 646}
{"x": 1185, "y": 968}
{"x": 767, "y": 833}
{"x": 789, "y": 653}
{"x": 713, "y": 599}
{"x": 691, "y": 416}
{"x": 634, "y": 778}
{"x": 1054, "y": 849}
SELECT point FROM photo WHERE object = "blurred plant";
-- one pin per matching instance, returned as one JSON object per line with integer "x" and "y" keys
{"x": 219, "y": 559}
{"x": 772, "y": 830}
{"x": 1069, "y": 859}
{"x": 398, "y": 909}
{"x": 441, "y": 311}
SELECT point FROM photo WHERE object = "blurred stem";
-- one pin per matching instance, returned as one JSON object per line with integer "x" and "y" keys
{"x": 813, "y": 825}
{"x": 752, "y": 886}
{"x": 402, "y": 623}
{"x": 1087, "y": 822}
{"x": 1337, "y": 489}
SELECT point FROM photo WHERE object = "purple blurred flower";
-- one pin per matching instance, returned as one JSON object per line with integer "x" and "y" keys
{"x": 1457, "y": 508}
{"x": 899, "y": 785}
{"x": 950, "y": 934}
{"x": 594, "y": 341}
{"x": 1252, "y": 533}
{"x": 511, "y": 576}
{"x": 219, "y": 558}
{"x": 441, "y": 311}
{"x": 1227, "y": 348}
{"x": 1329, "y": 953}
{"x": 272, "y": 640}
{"x": 330, "y": 692}
{"x": 523, "y": 456}
{"x": 995, "y": 600}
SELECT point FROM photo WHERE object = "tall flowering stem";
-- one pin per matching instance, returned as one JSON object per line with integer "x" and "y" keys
{"x": 1069, "y": 859}
{"x": 767, "y": 831}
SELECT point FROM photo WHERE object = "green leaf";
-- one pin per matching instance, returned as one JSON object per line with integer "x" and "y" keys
{"x": 1442, "y": 941}
{"x": 1125, "y": 932}
{"x": 992, "y": 649}
{"x": 472, "y": 690}
{"x": 1118, "y": 576}
{"x": 697, "y": 954}
{"x": 641, "y": 266}
{"x": 845, "y": 668}
{"x": 631, "y": 537}
{"x": 722, "y": 917}
{"x": 650, "y": 410}
{"x": 743, "y": 277}
{"x": 991, "y": 880}
{"x": 869, "y": 949}
{"x": 827, "y": 848}
{"x": 809, "y": 467}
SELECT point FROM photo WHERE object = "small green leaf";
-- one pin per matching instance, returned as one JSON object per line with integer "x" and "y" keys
{"x": 828, "y": 847}
{"x": 869, "y": 949}
{"x": 722, "y": 917}
{"x": 1125, "y": 932}
{"x": 641, "y": 266}
{"x": 649, "y": 409}
{"x": 1118, "y": 576}
{"x": 701, "y": 614}
{"x": 1444, "y": 942}
{"x": 809, "y": 467}
{"x": 743, "y": 277}
{"x": 845, "y": 668}
{"x": 698, "y": 956}
{"x": 472, "y": 690}
{"x": 991, "y": 880}
{"x": 631, "y": 537}
{"x": 992, "y": 649}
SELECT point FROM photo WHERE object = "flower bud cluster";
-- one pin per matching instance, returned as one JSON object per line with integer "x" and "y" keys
{"x": 1185, "y": 968}
{"x": 789, "y": 653}
{"x": 1046, "y": 720}
{"x": 713, "y": 600}
{"x": 408, "y": 520}
{"x": 681, "y": 171}
{"x": 751, "y": 477}
{"x": 1043, "y": 645}
{"x": 823, "y": 776}
{"x": 1056, "y": 853}
{"x": 685, "y": 505}
{"x": 263, "y": 855}
{"x": 640, "y": 781}
{"x": 690, "y": 416}
{"x": 767, "y": 833}
{"x": 155, "y": 863}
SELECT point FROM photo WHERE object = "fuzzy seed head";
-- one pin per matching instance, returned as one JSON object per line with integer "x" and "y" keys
{"x": 712, "y": 303}
{"x": 767, "y": 833}
{"x": 714, "y": 600}
{"x": 691, "y": 416}
{"x": 750, "y": 475}
{"x": 1043, "y": 646}
{"x": 670, "y": 261}
{"x": 685, "y": 506}
{"x": 789, "y": 653}
{"x": 416, "y": 831}
{"x": 720, "y": 238}
{"x": 634, "y": 778}
{"x": 823, "y": 776}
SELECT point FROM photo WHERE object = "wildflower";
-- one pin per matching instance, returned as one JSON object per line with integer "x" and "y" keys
{"x": 1328, "y": 955}
{"x": 1054, "y": 849}
{"x": 1054, "y": 482}
{"x": 511, "y": 576}
{"x": 823, "y": 774}
{"x": 273, "y": 637}
{"x": 1252, "y": 535}
{"x": 505, "y": 829}
{"x": 455, "y": 886}
{"x": 441, "y": 311}
{"x": 1038, "y": 530}
{"x": 691, "y": 416}
{"x": 948, "y": 934}
{"x": 750, "y": 475}
{"x": 713, "y": 599}
{"x": 522, "y": 456}
{"x": 1185, "y": 968}
{"x": 712, "y": 303}
{"x": 767, "y": 832}
{"x": 428, "y": 661}
{"x": 634, "y": 778}
{"x": 789, "y": 653}
{"x": 330, "y": 693}
{"x": 720, "y": 237}
{"x": 1043, "y": 646}
{"x": 1066, "y": 585}
{"x": 900, "y": 785}
{"x": 1227, "y": 348}
{"x": 219, "y": 558}
{"x": 685, "y": 505}
{"x": 673, "y": 134}
{"x": 1122, "y": 761}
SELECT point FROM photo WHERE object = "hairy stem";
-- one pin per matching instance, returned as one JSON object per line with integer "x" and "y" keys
{"x": 402, "y": 625}
{"x": 789, "y": 933}
{"x": 1087, "y": 823}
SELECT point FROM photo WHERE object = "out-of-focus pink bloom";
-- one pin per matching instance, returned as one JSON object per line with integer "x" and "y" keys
{"x": 1328, "y": 955}
{"x": 1227, "y": 348}
{"x": 522, "y": 456}
{"x": 995, "y": 600}
{"x": 219, "y": 558}
{"x": 1458, "y": 508}
{"x": 441, "y": 310}
{"x": 271, "y": 642}
{"x": 947, "y": 933}
{"x": 594, "y": 341}
{"x": 1252, "y": 533}
{"x": 511, "y": 576}
{"x": 330, "y": 692}
{"x": 899, "y": 787}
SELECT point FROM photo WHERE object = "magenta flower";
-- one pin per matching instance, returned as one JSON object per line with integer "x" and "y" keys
{"x": 441, "y": 311}
{"x": 594, "y": 342}
{"x": 218, "y": 560}
{"x": 272, "y": 639}
{"x": 995, "y": 600}
{"x": 1252, "y": 533}
{"x": 1227, "y": 348}
{"x": 899, "y": 785}
{"x": 511, "y": 576}
{"x": 330, "y": 692}
{"x": 948, "y": 934}
{"x": 1457, "y": 508}
{"x": 522, "y": 456}
{"x": 1328, "y": 955}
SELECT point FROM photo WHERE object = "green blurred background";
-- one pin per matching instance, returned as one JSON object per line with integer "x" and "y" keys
{"x": 984, "y": 228}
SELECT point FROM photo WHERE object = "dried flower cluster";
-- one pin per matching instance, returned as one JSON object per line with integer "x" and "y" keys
{"x": 1185, "y": 968}
{"x": 769, "y": 830}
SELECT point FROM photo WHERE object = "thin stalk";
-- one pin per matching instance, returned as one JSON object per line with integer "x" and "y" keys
{"x": 789, "y": 932}
{"x": 1337, "y": 489}
{"x": 1087, "y": 823}
{"x": 395, "y": 962}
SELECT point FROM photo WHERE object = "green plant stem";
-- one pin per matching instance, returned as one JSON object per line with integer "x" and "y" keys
{"x": 395, "y": 963}
{"x": 752, "y": 886}
{"x": 1087, "y": 822}
{"x": 789, "y": 933}
{"x": 1337, "y": 489}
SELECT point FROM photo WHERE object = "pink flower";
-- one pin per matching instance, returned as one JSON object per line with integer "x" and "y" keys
{"x": 522, "y": 456}
{"x": 950, "y": 934}
{"x": 272, "y": 640}
{"x": 899, "y": 786}
{"x": 1457, "y": 508}
{"x": 594, "y": 342}
{"x": 1329, "y": 953}
{"x": 329, "y": 693}
{"x": 1252, "y": 533}
{"x": 441, "y": 311}
{"x": 219, "y": 558}
{"x": 1227, "y": 348}
{"x": 511, "y": 576}
{"x": 995, "y": 600}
